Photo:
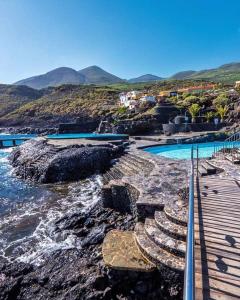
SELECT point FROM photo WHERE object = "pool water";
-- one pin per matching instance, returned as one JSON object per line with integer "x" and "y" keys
{"x": 95, "y": 136}
{"x": 8, "y": 138}
{"x": 183, "y": 151}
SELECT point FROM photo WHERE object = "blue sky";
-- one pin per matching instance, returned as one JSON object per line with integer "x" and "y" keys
{"x": 126, "y": 37}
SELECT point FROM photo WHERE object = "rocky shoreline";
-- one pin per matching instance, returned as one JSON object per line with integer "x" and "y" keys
{"x": 81, "y": 273}
{"x": 38, "y": 161}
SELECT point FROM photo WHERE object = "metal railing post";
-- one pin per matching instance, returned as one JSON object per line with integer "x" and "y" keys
{"x": 189, "y": 277}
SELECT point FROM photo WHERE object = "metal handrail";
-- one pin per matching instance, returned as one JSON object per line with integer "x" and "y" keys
{"x": 189, "y": 277}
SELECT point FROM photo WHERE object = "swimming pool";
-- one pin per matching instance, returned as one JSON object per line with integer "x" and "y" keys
{"x": 90, "y": 136}
{"x": 183, "y": 151}
{"x": 19, "y": 138}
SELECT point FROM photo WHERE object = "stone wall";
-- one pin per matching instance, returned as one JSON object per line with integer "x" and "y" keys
{"x": 120, "y": 196}
{"x": 195, "y": 127}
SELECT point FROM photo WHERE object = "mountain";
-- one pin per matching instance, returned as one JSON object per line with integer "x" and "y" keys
{"x": 145, "y": 78}
{"x": 96, "y": 75}
{"x": 55, "y": 77}
{"x": 182, "y": 75}
{"x": 227, "y": 73}
{"x": 63, "y": 75}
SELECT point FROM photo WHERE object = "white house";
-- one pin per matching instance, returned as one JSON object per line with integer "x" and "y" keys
{"x": 148, "y": 99}
{"x": 129, "y": 99}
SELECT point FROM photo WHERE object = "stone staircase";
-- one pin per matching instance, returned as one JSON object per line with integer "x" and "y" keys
{"x": 162, "y": 240}
{"x": 206, "y": 169}
{"x": 127, "y": 165}
{"x": 45, "y": 156}
{"x": 159, "y": 237}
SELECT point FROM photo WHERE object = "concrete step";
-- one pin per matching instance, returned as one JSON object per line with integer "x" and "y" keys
{"x": 210, "y": 169}
{"x": 163, "y": 240}
{"x": 121, "y": 252}
{"x": 172, "y": 229}
{"x": 202, "y": 171}
{"x": 125, "y": 170}
{"x": 156, "y": 254}
{"x": 147, "y": 204}
{"x": 176, "y": 213}
{"x": 130, "y": 166}
{"x": 232, "y": 159}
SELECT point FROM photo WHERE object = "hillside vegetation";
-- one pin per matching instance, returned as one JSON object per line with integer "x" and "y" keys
{"x": 12, "y": 97}
{"x": 21, "y": 105}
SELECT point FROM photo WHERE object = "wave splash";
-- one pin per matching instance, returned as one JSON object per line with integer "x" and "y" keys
{"x": 28, "y": 215}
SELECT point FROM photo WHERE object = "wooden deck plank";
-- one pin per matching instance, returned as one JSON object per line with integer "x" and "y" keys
{"x": 217, "y": 239}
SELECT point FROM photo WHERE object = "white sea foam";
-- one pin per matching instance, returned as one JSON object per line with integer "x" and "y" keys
{"x": 44, "y": 240}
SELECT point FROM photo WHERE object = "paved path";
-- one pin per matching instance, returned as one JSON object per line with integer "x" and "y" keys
{"x": 217, "y": 238}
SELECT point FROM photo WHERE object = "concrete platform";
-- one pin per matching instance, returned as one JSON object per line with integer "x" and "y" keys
{"x": 121, "y": 252}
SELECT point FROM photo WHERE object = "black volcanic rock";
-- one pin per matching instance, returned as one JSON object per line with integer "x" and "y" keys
{"x": 38, "y": 161}
{"x": 80, "y": 274}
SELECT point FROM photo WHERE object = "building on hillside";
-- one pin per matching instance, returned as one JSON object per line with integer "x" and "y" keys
{"x": 197, "y": 89}
{"x": 237, "y": 84}
{"x": 148, "y": 99}
{"x": 168, "y": 93}
{"x": 133, "y": 99}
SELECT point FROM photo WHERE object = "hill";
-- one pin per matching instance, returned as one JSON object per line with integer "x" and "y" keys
{"x": 145, "y": 78}
{"x": 182, "y": 75}
{"x": 96, "y": 75}
{"x": 63, "y": 104}
{"x": 55, "y": 77}
{"x": 12, "y": 97}
{"x": 227, "y": 73}
{"x": 63, "y": 75}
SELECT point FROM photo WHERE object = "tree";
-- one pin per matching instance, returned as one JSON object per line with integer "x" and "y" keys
{"x": 209, "y": 115}
{"x": 221, "y": 100}
{"x": 222, "y": 111}
{"x": 194, "y": 110}
{"x": 190, "y": 100}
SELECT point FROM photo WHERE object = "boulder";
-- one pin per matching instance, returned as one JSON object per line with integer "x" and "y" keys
{"x": 38, "y": 161}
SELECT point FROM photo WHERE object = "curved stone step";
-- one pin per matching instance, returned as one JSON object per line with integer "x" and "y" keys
{"x": 156, "y": 254}
{"x": 125, "y": 170}
{"x": 132, "y": 165}
{"x": 172, "y": 229}
{"x": 141, "y": 161}
{"x": 176, "y": 213}
{"x": 163, "y": 240}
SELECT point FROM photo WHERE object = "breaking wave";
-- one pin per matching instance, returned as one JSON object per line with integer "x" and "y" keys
{"x": 28, "y": 214}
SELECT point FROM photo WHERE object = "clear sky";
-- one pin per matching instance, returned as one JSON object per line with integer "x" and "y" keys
{"x": 126, "y": 37}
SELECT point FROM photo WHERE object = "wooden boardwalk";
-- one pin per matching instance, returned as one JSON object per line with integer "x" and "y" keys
{"x": 217, "y": 238}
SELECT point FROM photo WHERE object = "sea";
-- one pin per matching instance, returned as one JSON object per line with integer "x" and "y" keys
{"x": 28, "y": 213}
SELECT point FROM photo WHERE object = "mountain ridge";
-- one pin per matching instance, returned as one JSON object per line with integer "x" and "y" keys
{"x": 227, "y": 73}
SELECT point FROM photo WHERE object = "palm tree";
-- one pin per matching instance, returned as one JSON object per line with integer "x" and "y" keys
{"x": 194, "y": 110}
{"x": 222, "y": 111}
{"x": 209, "y": 115}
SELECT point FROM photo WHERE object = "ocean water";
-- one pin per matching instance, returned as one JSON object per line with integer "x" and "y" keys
{"x": 183, "y": 151}
{"x": 28, "y": 213}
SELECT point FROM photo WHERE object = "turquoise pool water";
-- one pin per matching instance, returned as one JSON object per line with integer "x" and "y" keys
{"x": 94, "y": 136}
{"x": 19, "y": 138}
{"x": 7, "y": 138}
{"x": 183, "y": 151}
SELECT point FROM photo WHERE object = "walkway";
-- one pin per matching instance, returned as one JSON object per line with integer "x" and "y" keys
{"x": 217, "y": 238}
